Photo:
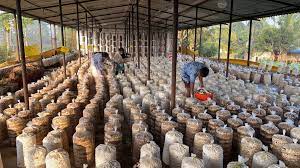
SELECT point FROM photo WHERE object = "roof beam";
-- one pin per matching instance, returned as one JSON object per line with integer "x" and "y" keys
{"x": 72, "y": 13}
{"x": 118, "y": 19}
{"x": 172, "y": 14}
{"x": 107, "y": 14}
{"x": 142, "y": 19}
{"x": 53, "y": 6}
{"x": 285, "y": 3}
{"x": 121, "y": 20}
{"x": 213, "y": 10}
{"x": 87, "y": 10}
{"x": 191, "y": 7}
{"x": 46, "y": 9}
{"x": 103, "y": 19}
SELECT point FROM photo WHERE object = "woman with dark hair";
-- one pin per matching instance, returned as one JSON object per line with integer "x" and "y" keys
{"x": 190, "y": 71}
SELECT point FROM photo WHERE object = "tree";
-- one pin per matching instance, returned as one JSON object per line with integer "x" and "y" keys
{"x": 25, "y": 23}
{"x": 209, "y": 46}
{"x": 6, "y": 23}
{"x": 280, "y": 34}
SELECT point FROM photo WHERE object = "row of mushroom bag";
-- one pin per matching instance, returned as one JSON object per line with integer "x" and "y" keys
{"x": 29, "y": 129}
{"x": 125, "y": 120}
{"x": 267, "y": 112}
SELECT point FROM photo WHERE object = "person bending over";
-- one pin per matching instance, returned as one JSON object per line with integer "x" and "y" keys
{"x": 190, "y": 71}
{"x": 97, "y": 62}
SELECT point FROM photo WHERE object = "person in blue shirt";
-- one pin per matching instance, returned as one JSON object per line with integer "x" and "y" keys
{"x": 189, "y": 72}
{"x": 97, "y": 62}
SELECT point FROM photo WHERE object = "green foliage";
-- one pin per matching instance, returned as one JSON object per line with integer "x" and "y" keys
{"x": 6, "y": 21}
{"x": 209, "y": 50}
{"x": 282, "y": 35}
{"x": 3, "y": 53}
{"x": 186, "y": 39}
{"x": 279, "y": 33}
{"x": 210, "y": 45}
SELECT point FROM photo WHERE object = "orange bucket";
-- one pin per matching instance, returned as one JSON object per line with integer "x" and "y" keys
{"x": 203, "y": 96}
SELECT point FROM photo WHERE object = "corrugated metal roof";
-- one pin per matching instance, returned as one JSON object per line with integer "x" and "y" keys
{"x": 107, "y": 12}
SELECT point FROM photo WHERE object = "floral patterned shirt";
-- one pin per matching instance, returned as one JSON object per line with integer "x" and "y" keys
{"x": 190, "y": 71}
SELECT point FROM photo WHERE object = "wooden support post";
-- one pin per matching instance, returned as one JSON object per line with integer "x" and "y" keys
{"x": 195, "y": 40}
{"x": 78, "y": 31}
{"x": 249, "y": 43}
{"x": 17, "y": 37}
{"x": 149, "y": 39}
{"x": 174, "y": 53}
{"x": 22, "y": 53}
{"x": 62, "y": 38}
{"x": 138, "y": 33}
{"x": 41, "y": 42}
{"x": 220, "y": 36}
{"x": 229, "y": 39}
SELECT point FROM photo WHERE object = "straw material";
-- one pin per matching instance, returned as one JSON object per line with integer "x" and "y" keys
{"x": 259, "y": 112}
{"x": 37, "y": 156}
{"x": 277, "y": 142}
{"x": 212, "y": 155}
{"x": 233, "y": 108}
{"x": 182, "y": 119}
{"x": 276, "y": 119}
{"x": 62, "y": 122}
{"x": 159, "y": 119}
{"x": 177, "y": 152}
{"x": 150, "y": 162}
{"x": 63, "y": 136}
{"x": 267, "y": 131}
{"x": 244, "y": 115}
{"x": 236, "y": 165}
{"x": 192, "y": 127}
{"x": 295, "y": 133}
{"x": 263, "y": 159}
{"x": 150, "y": 149}
{"x": 249, "y": 146}
{"x": 176, "y": 110}
{"x": 172, "y": 136}
{"x": 10, "y": 111}
{"x": 291, "y": 155}
{"x": 15, "y": 126}
{"x": 23, "y": 143}
{"x": 52, "y": 142}
{"x": 137, "y": 127}
{"x": 196, "y": 109}
{"x": 204, "y": 117}
{"x": 3, "y": 127}
{"x": 110, "y": 164}
{"x": 83, "y": 148}
{"x": 213, "y": 110}
{"x": 287, "y": 126}
{"x": 58, "y": 158}
{"x": 192, "y": 162}
{"x": 140, "y": 139}
{"x": 105, "y": 153}
{"x": 224, "y": 136}
{"x": 167, "y": 126}
{"x": 278, "y": 110}
{"x": 201, "y": 138}
{"x": 213, "y": 124}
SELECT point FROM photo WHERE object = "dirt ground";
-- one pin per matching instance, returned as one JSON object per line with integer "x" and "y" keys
{"x": 8, "y": 155}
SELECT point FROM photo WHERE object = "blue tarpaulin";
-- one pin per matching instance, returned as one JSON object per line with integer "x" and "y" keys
{"x": 296, "y": 51}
